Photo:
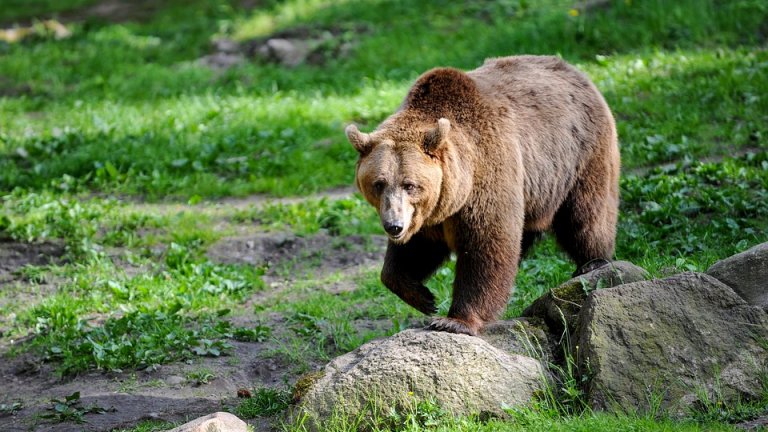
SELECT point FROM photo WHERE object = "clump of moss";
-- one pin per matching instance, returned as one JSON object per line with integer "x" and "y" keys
{"x": 305, "y": 383}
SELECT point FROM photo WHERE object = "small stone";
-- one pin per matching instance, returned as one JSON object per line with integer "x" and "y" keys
{"x": 288, "y": 52}
{"x": 218, "y": 422}
{"x": 175, "y": 380}
{"x": 221, "y": 60}
{"x": 226, "y": 46}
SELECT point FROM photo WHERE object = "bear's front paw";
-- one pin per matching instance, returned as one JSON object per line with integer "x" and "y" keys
{"x": 452, "y": 325}
{"x": 421, "y": 299}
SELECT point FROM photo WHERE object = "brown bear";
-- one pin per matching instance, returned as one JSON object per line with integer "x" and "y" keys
{"x": 480, "y": 163}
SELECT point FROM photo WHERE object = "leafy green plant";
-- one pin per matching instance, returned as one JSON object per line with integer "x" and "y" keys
{"x": 135, "y": 340}
{"x": 43, "y": 216}
{"x": 70, "y": 409}
{"x": 695, "y": 208}
{"x": 10, "y": 408}
{"x": 150, "y": 426}
{"x": 200, "y": 376}
{"x": 258, "y": 333}
{"x": 264, "y": 402}
{"x": 417, "y": 415}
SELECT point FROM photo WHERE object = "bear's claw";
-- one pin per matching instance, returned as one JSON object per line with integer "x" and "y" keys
{"x": 451, "y": 325}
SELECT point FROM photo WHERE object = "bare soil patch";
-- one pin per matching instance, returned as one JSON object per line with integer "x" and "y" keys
{"x": 162, "y": 393}
{"x": 226, "y": 205}
{"x": 16, "y": 255}
{"x": 288, "y": 254}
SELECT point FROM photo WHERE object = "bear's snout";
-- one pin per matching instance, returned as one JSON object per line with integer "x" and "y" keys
{"x": 393, "y": 228}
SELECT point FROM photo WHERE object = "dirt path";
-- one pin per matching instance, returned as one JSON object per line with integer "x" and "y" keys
{"x": 226, "y": 205}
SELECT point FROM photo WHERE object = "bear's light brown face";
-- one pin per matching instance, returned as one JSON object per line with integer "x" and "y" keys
{"x": 402, "y": 183}
{"x": 400, "y": 176}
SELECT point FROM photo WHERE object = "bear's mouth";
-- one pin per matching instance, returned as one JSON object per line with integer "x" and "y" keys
{"x": 400, "y": 238}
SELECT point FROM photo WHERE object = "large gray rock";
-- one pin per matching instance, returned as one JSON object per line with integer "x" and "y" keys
{"x": 216, "y": 422}
{"x": 672, "y": 338}
{"x": 562, "y": 305}
{"x": 746, "y": 273}
{"x": 462, "y": 374}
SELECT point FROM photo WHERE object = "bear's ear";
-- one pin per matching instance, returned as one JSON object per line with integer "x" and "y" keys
{"x": 437, "y": 137}
{"x": 360, "y": 141}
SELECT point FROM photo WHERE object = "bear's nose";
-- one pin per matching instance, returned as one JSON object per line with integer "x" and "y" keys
{"x": 393, "y": 228}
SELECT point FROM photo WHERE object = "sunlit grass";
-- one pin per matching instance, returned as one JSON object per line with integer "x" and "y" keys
{"x": 283, "y": 14}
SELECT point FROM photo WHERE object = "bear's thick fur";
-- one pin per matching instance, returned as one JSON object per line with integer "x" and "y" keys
{"x": 479, "y": 163}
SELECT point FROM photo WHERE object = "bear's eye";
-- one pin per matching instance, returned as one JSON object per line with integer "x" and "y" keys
{"x": 378, "y": 186}
{"x": 409, "y": 187}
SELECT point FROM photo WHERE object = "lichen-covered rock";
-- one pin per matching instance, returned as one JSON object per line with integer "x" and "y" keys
{"x": 462, "y": 374}
{"x": 216, "y": 422}
{"x": 746, "y": 273}
{"x": 562, "y": 304}
{"x": 671, "y": 338}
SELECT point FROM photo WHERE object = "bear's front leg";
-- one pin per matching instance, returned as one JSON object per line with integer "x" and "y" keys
{"x": 486, "y": 265}
{"x": 407, "y": 266}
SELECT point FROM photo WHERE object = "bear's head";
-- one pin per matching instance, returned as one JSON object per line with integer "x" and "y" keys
{"x": 417, "y": 167}
{"x": 401, "y": 172}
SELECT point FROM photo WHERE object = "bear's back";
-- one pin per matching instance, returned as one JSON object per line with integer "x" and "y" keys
{"x": 555, "y": 116}
{"x": 531, "y": 78}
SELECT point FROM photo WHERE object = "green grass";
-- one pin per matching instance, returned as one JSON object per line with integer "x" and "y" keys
{"x": 123, "y": 108}
{"x": 346, "y": 216}
{"x": 427, "y": 416}
{"x": 99, "y": 127}
{"x": 150, "y": 426}
{"x": 264, "y": 402}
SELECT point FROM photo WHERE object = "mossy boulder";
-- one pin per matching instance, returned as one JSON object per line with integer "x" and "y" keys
{"x": 672, "y": 341}
{"x": 561, "y": 305}
{"x": 461, "y": 374}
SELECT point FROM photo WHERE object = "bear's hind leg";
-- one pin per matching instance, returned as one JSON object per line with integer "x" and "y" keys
{"x": 585, "y": 225}
{"x": 529, "y": 239}
{"x": 407, "y": 266}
